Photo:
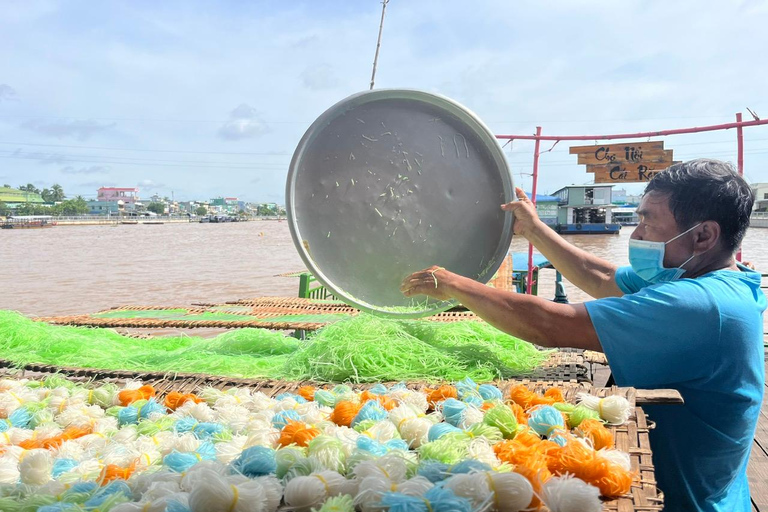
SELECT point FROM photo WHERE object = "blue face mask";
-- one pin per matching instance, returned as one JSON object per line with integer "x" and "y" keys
{"x": 647, "y": 260}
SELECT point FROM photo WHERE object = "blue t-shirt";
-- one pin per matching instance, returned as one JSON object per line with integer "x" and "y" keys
{"x": 704, "y": 338}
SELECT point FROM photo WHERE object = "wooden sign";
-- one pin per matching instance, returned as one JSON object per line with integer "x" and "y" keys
{"x": 627, "y": 162}
{"x": 655, "y": 156}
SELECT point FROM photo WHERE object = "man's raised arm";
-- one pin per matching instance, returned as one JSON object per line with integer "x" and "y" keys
{"x": 594, "y": 275}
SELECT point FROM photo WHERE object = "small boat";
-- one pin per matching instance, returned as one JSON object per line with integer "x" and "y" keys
{"x": 27, "y": 224}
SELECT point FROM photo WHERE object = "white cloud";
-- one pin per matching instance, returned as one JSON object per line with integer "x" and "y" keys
{"x": 244, "y": 122}
{"x": 150, "y": 185}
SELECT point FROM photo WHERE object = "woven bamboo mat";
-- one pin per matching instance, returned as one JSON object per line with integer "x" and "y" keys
{"x": 631, "y": 437}
{"x": 263, "y": 312}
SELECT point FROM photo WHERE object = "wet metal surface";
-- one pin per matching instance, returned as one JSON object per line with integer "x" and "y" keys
{"x": 389, "y": 182}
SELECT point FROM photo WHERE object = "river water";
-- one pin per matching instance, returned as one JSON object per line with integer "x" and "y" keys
{"x": 84, "y": 269}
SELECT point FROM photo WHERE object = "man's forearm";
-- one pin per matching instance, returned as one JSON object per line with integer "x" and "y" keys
{"x": 528, "y": 317}
{"x": 588, "y": 272}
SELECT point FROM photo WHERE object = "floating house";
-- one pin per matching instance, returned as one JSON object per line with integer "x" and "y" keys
{"x": 585, "y": 209}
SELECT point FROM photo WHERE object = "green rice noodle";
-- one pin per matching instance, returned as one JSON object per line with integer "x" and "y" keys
{"x": 363, "y": 348}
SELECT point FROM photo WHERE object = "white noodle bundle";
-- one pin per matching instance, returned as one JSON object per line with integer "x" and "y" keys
{"x": 613, "y": 409}
{"x": 304, "y": 493}
{"x": 215, "y": 493}
{"x": 568, "y": 494}
{"x": 487, "y": 490}
{"x": 410, "y": 397}
{"x": 35, "y": 467}
{"x": 234, "y": 416}
{"x": 200, "y": 411}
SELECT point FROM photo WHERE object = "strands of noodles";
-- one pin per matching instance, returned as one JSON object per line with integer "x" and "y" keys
{"x": 348, "y": 350}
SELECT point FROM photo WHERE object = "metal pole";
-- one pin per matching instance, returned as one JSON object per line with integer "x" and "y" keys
{"x": 378, "y": 43}
{"x": 534, "y": 188}
{"x": 740, "y": 158}
{"x": 560, "y": 296}
{"x": 710, "y": 128}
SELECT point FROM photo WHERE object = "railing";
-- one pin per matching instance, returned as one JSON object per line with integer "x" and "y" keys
{"x": 307, "y": 291}
{"x": 117, "y": 218}
{"x": 759, "y": 215}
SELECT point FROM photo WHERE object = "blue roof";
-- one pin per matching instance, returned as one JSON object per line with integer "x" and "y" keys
{"x": 520, "y": 261}
{"x": 543, "y": 198}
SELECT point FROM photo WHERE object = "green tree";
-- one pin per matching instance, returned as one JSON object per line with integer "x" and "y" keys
{"x": 158, "y": 208}
{"x": 29, "y": 187}
{"x": 25, "y": 209}
{"x": 76, "y": 206}
{"x": 47, "y": 196}
{"x": 4, "y": 209}
{"x": 5, "y": 185}
{"x": 201, "y": 210}
{"x": 57, "y": 193}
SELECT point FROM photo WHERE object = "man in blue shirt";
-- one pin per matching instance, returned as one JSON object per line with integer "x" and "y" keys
{"x": 684, "y": 316}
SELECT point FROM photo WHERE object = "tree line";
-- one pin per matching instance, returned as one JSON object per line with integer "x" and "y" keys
{"x": 49, "y": 195}
{"x": 76, "y": 206}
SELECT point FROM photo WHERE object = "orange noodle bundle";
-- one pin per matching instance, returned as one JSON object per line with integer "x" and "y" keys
{"x": 307, "y": 393}
{"x": 441, "y": 394}
{"x": 174, "y": 399}
{"x": 298, "y": 433}
{"x": 386, "y": 402}
{"x": 529, "y": 461}
{"x": 520, "y": 415}
{"x": 595, "y": 431}
{"x": 526, "y": 398}
{"x": 128, "y": 396}
{"x": 113, "y": 472}
{"x": 344, "y": 413}
{"x": 585, "y": 463}
{"x": 71, "y": 432}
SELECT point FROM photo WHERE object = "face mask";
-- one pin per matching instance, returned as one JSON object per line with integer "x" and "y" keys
{"x": 647, "y": 260}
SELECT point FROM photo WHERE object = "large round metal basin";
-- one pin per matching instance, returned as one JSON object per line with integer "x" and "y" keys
{"x": 389, "y": 182}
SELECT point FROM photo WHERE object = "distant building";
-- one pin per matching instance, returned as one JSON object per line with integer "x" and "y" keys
{"x": 619, "y": 196}
{"x": 546, "y": 208}
{"x": 625, "y": 215}
{"x": 126, "y": 195}
{"x": 229, "y": 205}
{"x": 13, "y": 197}
{"x": 112, "y": 207}
{"x": 761, "y": 196}
{"x": 585, "y": 209}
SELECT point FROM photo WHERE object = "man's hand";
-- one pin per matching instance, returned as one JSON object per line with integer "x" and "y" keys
{"x": 525, "y": 213}
{"x": 433, "y": 282}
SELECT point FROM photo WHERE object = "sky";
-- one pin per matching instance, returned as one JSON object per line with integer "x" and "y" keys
{"x": 197, "y": 99}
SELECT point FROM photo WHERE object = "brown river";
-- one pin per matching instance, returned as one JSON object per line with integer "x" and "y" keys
{"x": 84, "y": 269}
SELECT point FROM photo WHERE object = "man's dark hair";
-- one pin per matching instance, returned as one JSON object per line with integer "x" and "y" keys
{"x": 705, "y": 189}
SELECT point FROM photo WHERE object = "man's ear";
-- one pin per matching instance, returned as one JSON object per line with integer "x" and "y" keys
{"x": 706, "y": 236}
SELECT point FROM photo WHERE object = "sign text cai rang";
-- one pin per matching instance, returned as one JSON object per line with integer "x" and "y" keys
{"x": 627, "y": 162}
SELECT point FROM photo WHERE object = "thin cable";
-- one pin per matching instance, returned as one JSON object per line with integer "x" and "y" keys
{"x": 218, "y": 166}
{"x": 145, "y": 150}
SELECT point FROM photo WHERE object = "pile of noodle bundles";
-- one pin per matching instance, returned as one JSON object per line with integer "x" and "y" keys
{"x": 456, "y": 448}
{"x": 348, "y": 350}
